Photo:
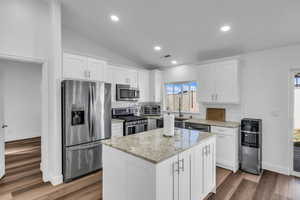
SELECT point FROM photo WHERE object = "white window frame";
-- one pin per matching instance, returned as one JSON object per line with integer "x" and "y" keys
{"x": 180, "y": 82}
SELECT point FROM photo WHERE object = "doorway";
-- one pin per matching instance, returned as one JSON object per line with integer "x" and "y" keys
{"x": 296, "y": 126}
{"x": 23, "y": 118}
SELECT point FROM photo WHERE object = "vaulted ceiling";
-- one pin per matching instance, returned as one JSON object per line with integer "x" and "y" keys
{"x": 188, "y": 30}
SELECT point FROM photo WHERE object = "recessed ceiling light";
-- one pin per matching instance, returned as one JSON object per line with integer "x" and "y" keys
{"x": 174, "y": 62}
{"x": 225, "y": 28}
{"x": 114, "y": 18}
{"x": 157, "y": 48}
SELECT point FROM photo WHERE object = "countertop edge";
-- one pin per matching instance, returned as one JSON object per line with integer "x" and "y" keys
{"x": 165, "y": 158}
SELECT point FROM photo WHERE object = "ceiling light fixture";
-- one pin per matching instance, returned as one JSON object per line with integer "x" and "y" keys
{"x": 225, "y": 28}
{"x": 174, "y": 62}
{"x": 157, "y": 48}
{"x": 114, "y": 18}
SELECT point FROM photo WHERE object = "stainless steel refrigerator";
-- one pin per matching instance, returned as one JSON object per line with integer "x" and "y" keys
{"x": 86, "y": 120}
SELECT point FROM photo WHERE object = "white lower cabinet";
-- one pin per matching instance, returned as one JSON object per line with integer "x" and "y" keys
{"x": 227, "y": 147}
{"x": 189, "y": 175}
{"x": 151, "y": 124}
{"x": 117, "y": 129}
{"x": 203, "y": 170}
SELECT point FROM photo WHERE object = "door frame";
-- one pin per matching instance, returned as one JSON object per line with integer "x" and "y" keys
{"x": 44, "y": 105}
{"x": 291, "y": 96}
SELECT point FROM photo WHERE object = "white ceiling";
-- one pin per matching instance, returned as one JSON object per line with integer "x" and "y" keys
{"x": 186, "y": 29}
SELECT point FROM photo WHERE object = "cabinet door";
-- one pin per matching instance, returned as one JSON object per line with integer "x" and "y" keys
{"x": 96, "y": 69}
{"x": 184, "y": 161}
{"x": 133, "y": 77}
{"x": 227, "y": 85}
{"x": 143, "y": 85}
{"x": 74, "y": 67}
{"x": 167, "y": 179}
{"x": 117, "y": 130}
{"x": 209, "y": 167}
{"x": 206, "y": 85}
{"x": 197, "y": 172}
{"x": 151, "y": 124}
{"x": 225, "y": 150}
{"x": 156, "y": 85}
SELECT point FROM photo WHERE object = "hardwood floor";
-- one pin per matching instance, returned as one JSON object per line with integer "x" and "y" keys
{"x": 23, "y": 181}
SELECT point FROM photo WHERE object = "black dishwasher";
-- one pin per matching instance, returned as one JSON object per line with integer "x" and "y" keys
{"x": 198, "y": 127}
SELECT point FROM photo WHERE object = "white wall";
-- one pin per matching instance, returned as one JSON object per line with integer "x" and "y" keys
{"x": 297, "y": 108}
{"x": 265, "y": 95}
{"x": 31, "y": 29}
{"x": 24, "y": 28}
{"x": 22, "y": 99}
{"x": 74, "y": 42}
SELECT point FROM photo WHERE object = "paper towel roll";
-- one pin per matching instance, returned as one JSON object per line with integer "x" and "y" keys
{"x": 169, "y": 125}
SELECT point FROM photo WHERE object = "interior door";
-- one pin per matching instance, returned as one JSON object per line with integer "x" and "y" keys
{"x": 2, "y": 136}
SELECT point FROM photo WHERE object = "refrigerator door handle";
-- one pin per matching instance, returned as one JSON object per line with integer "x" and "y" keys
{"x": 89, "y": 112}
{"x": 93, "y": 110}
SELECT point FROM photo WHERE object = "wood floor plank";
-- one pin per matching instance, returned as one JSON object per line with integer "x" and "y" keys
{"x": 23, "y": 181}
{"x": 266, "y": 186}
{"x": 245, "y": 190}
{"x": 226, "y": 190}
{"x": 81, "y": 194}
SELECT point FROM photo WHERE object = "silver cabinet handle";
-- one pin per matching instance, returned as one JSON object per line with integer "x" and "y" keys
{"x": 216, "y": 97}
{"x": 4, "y": 126}
{"x": 176, "y": 167}
{"x": 208, "y": 147}
{"x": 182, "y": 164}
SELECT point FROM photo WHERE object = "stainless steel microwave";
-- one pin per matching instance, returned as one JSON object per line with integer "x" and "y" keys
{"x": 127, "y": 93}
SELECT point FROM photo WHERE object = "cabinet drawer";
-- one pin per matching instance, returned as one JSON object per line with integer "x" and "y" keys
{"x": 222, "y": 130}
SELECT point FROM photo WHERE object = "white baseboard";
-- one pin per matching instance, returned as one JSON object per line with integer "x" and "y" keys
{"x": 56, "y": 180}
{"x": 275, "y": 168}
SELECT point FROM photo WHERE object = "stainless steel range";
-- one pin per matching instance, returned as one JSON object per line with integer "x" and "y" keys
{"x": 132, "y": 124}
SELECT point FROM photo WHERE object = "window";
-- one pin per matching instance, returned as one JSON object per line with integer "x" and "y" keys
{"x": 181, "y": 94}
{"x": 297, "y": 80}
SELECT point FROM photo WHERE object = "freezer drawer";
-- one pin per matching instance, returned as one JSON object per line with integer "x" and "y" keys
{"x": 82, "y": 159}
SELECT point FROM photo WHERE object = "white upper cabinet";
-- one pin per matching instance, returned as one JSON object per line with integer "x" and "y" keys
{"x": 120, "y": 75}
{"x": 155, "y": 85}
{"x": 74, "y": 66}
{"x": 83, "y": 68}
{"x": 219, "y": 82}
{"x": 206, "y": 86}
{"x": 143, "y": 85}
{"x": 97, "y": 69}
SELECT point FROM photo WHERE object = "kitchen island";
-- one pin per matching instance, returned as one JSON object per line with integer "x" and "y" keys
{"x": 150, "y": 166}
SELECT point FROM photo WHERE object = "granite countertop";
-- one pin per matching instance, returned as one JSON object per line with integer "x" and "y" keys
{"x": 154, "y": 147}
{"x": 227, "y": 124}
{"x": 117, "y": 121}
